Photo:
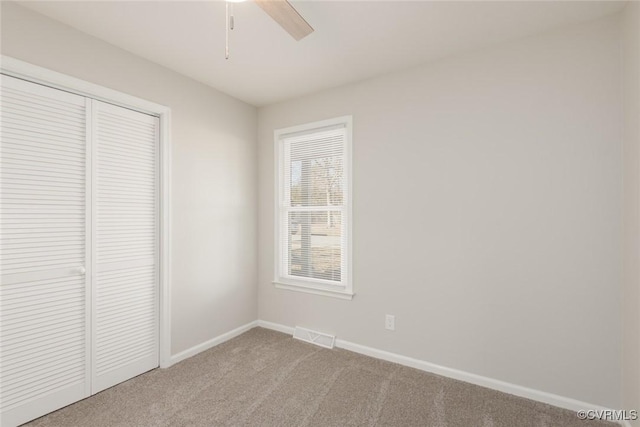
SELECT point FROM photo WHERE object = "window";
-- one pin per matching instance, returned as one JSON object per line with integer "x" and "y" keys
{"x": 313, "y": 212}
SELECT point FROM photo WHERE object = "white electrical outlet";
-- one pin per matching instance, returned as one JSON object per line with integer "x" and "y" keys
{"x": 390, "y": 322}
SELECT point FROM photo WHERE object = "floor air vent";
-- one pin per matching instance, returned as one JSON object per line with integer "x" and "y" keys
{"x": 313, "y": 337}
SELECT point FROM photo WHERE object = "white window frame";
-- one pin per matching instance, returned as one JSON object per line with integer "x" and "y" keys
{"x": 310, "y": 285}
{"x": 36, "y": 74}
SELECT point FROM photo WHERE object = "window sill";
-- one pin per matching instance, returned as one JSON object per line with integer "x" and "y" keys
{"x": 315, "y": 291}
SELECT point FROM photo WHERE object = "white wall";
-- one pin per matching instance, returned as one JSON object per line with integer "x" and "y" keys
{"x": 487, "y": 213}
{"x": 631, "y": 282}
{"x": 214, "y": 170}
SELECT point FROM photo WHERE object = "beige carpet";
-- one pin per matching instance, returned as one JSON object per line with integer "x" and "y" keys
{"x": 265, "y": 378}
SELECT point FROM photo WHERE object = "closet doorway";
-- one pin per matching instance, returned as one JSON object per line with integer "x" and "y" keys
{"x": 83, "y": 288}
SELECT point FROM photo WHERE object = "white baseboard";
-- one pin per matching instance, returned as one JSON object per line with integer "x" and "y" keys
{"x": 212, "y": 343}
{"x": 505, "y": 387}
{"x": 276, "y": 327}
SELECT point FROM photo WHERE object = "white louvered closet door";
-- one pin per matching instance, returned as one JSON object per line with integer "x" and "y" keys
{"x": 44, "y": 356}
{"x": 125, "y": 309}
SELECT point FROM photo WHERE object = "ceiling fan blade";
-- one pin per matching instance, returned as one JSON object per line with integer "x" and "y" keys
{"x": 287, "y": 17}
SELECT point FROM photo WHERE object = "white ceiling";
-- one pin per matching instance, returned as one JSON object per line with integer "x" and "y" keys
{"x": 353, "y": 40}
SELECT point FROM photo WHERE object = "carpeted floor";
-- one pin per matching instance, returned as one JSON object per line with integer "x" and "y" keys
{"x": 265, "y": 378}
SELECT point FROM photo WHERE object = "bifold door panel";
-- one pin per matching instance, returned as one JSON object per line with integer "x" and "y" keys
{"x": 43, "y": 251}
{"x": 78, "y": 249}
{"x": 126, "y": 280}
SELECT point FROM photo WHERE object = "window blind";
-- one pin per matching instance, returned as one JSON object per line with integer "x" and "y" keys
{"x": 313, "y": 204}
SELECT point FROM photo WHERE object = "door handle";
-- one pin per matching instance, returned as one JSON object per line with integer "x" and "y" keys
{"x": 81, "y": 270}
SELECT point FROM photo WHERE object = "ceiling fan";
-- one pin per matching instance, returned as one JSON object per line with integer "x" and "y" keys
{"x": 287, "y": 17}
{"x": 280, "y": 11}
